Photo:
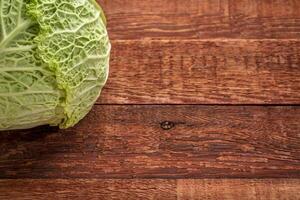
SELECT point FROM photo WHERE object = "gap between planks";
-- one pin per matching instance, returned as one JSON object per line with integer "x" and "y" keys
{"x": 174, "y": 104}
{"x": 207, "y": 40}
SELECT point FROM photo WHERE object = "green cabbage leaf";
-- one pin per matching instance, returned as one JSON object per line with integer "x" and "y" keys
{"x": 54, "y": 61}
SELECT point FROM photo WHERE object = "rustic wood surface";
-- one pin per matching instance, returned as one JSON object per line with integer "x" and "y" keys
{"x": 204, "y": 72}
{"x": 244, "y": 189}
{"x": 202, "y": 19}
{"x": 161, "y": 142}
{"x": 182, "y": 189}
{"x": 203, "y": 102}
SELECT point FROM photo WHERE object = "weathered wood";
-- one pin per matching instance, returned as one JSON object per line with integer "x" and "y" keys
{"x": 272, "y": 189}
{"x": 178, "y": 52}
{"x": 204, "y": 72}
{"x": 194, "y": 19}
{"x": 88, "y": 189}
{"x": 161, "y": 142}
{"x": 213, "y": 189}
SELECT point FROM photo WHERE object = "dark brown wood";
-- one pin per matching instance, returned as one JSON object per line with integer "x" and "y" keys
{"x": 161, "y": 142}
{"x": 178, "y": 52}
{"x": 229, "y": 189}
{"x": 213, "y": 189}
{"x": 202, "y": 19}
{"x": 204, "y": 72}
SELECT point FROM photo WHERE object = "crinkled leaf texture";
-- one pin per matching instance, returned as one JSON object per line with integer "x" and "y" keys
{"x": 54, "y": 57}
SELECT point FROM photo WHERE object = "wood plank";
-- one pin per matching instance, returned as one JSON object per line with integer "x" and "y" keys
{"x": 213, "y": 189}
{"x": 88, "y": 189}
{"x": 194, "y": 19}
{"x": 204, "y": 72}
{"x": 271, "y": 189}
{"x": 265, "y": 18}
{"x": 161, "y": 142}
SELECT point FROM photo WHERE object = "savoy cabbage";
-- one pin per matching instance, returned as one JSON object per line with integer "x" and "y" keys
{"x": 54, "y": 57}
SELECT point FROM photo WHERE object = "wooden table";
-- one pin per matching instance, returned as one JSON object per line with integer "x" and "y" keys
{"x": 202, "y": 103}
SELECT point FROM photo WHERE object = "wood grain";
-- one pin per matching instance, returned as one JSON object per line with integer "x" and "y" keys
{"x": 270, "y": 189}
{"x": 204, "y": 72}
{"x": 88, "y": 189}
{"x": 194, "y": 19}
{"x": 213, "y": 189}
{"x": 161, "y": 142}
{"x": 194, "y": 52}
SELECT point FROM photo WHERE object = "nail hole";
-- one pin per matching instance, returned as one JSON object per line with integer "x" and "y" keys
{"x": 166, "y": 125}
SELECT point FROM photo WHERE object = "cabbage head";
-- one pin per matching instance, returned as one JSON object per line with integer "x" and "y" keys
{"x": 54, "y": 57}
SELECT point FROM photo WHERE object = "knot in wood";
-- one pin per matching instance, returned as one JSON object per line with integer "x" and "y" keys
{"x": 167, "y": 125}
